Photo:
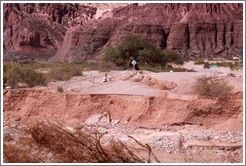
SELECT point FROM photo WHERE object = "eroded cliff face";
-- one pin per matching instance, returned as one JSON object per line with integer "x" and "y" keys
{"x": 207, "y": 39}
{"x": 193, "y": 30}
{"x": 33, "y": 27}
{"x": 83, "y": 43}
{"x": 147, "y": 110}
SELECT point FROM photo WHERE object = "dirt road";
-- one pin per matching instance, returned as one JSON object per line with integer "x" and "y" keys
{"x": 91, "y": 83}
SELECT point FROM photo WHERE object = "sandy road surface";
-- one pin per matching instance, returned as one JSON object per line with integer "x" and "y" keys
{"x": 91, "y": 83}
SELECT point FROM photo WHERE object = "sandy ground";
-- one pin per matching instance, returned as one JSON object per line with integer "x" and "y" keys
{"x": 161, "y": 118}
{"x": 91, "y": 82}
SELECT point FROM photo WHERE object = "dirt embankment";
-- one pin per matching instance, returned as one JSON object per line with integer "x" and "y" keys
{"x": 220, "y": 113}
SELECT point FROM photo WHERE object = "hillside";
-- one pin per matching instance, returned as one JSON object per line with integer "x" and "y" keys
{"x": 81, "y": 32}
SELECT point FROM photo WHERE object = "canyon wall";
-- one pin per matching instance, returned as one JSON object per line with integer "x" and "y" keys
{"x": 33, "y": 27}
{"x": 81, "y": 32}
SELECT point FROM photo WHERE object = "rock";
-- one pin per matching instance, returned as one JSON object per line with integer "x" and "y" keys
{"x": 114, "y": 122}
{"x": 93, "y": 120}
{"x": 153, "y": 32}
{"x": 169, "y": 152}
{"x": 69, "y": 128}
{"x": 139, "y": 77}
{"x": 148, "y": 77}
{"x": 125, "y": 123}
{"x": 8, "y": 87}
{"x": 192, "y": 30}
{"x": 187, "y": 41}
{"x": 102, "y": 130}
{"x": 165, "y": 85}
{"x": 216, "y": 137}
{"x": 83, "y": 43}
{"x": 7, "y": 138}
{"x": 16, "y": 118}
{"x": 97, "y": 120}
{"x": 27, "y": 32}
{"x": 127, "y": 75}
{"x": 201, "y": 148}
{"x": 6, "y": 130}
{"x": 208, "y": 138}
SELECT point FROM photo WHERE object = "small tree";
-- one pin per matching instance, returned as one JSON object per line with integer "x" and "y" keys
{"x": 143, "y": 50}
{"x": 212, "y": 87}
{"x": 170, "y": 56}
{"x": 112, "y": 54}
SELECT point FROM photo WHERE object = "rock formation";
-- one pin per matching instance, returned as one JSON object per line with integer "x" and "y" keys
{"x": 191, "y": 29}
{"x": 33, "y": 27}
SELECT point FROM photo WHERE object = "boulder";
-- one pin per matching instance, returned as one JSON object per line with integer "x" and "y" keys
{"x": 139, "y": 77}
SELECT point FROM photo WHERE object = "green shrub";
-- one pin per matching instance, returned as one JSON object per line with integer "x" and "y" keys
{"x": 179, "y": 69}
{"x": 235, "y": 66}
{"x": 143, "y": 50}
{"x": 60, "y": 89}
{"x": 112, "y": 54}
{"x": 76, "y": 71}
{"x": 169, "y": 66}
{"x": 14, "y": 74}
{"x": 212, "y": 87}
{"x": 211, "y": 59}
{"x": 11, "y": 74}
{"x": 199, "y": 61}
{"x": 171, "y": 56}
{"x": 64, "y": 73}
{"x": 59, "y": 74}
{"x": 32, "y": 78}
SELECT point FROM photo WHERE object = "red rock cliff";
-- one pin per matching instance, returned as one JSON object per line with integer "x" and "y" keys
{"x": 191, "y": 29}
{"x": 33, "y": 27}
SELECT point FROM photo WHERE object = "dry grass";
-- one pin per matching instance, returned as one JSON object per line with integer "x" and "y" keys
{"x": 46, "y": 142}
{"x": 64, "y": 73}
{"x": 212, "y": 87}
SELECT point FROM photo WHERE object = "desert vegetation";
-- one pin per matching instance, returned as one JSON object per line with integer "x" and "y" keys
{"x": 142, "y": 50}
{"x": 32, "y": 74}
{"x": 50, "y": 66}
{"x": 232, "y": 65}
{"x": 199, "y": 61}
{"x": 212, "y": 87}
{"x": 15, "y": 73}
{"x": 49, "y": 142}
{"x": 64, "y": 73}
